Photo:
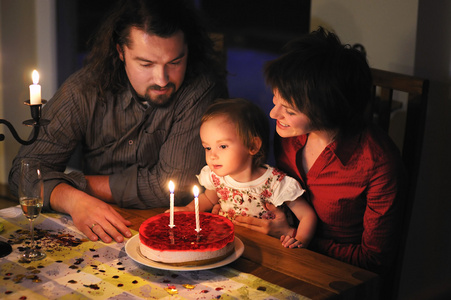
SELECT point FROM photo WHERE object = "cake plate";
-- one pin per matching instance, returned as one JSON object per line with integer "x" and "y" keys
{"x": 132, "y": 250}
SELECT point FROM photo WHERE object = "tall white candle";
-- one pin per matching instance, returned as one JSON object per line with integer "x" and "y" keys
{"x": 196, "y": 207}
{"x": 35, "y": 89}
{"x": 171, "y": 204}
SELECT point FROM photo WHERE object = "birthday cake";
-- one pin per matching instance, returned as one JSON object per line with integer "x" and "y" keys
{"x": 182, "y": 245}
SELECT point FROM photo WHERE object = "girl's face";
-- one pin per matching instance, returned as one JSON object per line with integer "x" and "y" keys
{"x": 225, "y": 153}
{"x": 290, "y": 121}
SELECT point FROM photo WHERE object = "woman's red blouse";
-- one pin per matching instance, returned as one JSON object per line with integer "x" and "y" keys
{"x": 355, "y": 188}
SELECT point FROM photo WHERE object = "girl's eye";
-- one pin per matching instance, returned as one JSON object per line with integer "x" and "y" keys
{"x": 223, "y": 146}
{"x": 207, "y": 148}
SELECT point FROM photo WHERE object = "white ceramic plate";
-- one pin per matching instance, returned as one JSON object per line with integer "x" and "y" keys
{"x": 132, "y": 250}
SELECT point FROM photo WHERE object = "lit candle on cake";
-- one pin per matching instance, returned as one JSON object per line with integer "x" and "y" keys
{"x": 196, "y": 207}
{"x": 35, "y": 89}
{"x": 171, "y": 204}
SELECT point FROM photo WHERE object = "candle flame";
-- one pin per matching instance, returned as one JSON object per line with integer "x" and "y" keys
{"x": 35, "y": 77}
{"x": 171, "y": 186}
{"x": 196, "y": 191}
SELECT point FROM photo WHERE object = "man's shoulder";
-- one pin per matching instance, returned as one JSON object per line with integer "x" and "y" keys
{"x": 203, "y": 82}
{"x": 79, "y": 80}
{"x": 197, "y": 88}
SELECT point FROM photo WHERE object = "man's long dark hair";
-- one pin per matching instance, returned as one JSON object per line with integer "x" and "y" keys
{"x": 161, "y": 17}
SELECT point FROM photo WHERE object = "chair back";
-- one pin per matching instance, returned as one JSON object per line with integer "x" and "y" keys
{"x": 386, "y": 86}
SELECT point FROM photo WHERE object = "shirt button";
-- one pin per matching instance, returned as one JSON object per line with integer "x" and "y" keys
{"x": 130, "y": 142}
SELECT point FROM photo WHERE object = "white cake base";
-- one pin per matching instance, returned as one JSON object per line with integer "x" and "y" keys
{"x": 187, "y": 258}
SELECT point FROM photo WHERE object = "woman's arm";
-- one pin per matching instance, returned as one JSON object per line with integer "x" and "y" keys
{"x": 381, "y": 224}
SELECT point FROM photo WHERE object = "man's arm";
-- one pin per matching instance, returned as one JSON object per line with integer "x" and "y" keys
{"x": 99, "y": 186}
{"x": 68, "y": 115}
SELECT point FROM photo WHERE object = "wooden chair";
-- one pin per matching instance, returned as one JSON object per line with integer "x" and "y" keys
{"x": 416, "y": 91}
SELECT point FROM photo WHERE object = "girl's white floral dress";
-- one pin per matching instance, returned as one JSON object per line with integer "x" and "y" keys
{"x": 248, "y": 198}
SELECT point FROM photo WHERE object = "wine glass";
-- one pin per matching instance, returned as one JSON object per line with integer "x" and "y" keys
{"x": 31, "y": 197}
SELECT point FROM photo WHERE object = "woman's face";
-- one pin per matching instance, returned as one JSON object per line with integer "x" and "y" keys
{"x": 290, "y": 121}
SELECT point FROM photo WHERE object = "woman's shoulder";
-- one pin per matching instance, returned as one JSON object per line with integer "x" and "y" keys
{"x": 377, "y": 138}
{"x": 379, "y": 145}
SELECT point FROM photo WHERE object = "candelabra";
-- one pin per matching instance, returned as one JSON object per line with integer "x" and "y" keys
{"x": 36, "y": 122}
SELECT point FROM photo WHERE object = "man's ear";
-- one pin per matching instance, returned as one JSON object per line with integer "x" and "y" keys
{"x": 256, "y": 145}
{"x": 121, "y": 53}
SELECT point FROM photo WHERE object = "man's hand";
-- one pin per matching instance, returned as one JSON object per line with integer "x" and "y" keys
{"x": 95, "y": 218}
{"x": 275, "y": 227}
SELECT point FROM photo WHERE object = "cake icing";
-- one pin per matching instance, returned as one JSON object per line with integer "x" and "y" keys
{"x": 182, "y": 245}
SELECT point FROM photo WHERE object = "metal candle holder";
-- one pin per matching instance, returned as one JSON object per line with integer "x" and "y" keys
{"x": 36, "y": 122}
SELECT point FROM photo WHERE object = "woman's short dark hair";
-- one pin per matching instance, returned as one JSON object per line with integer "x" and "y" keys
{"x": 329, "y": 82}
{"x": 249, "y": 119}
{"x": 160, "y": 17}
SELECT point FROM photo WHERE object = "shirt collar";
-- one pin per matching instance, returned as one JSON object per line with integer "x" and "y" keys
{"x": 345, "y": 146}
{"x": 128, "y": 97}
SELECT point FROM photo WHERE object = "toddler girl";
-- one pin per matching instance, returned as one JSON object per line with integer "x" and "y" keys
{"x": 235, "y": 135}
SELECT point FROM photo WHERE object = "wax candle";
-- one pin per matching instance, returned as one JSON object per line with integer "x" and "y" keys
{"x": 35, "y": 89}
{"x": 171, "y": 204}
{"x": 196, "y": 207}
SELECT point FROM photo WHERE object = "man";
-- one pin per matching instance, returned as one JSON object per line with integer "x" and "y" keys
{"x": 135, "y": 108}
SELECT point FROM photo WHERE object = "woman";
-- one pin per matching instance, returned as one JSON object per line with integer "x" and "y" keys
{"x": 351, "y": 171}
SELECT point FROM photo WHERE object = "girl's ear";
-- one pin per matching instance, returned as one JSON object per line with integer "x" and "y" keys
{"x": 255, "y": 145}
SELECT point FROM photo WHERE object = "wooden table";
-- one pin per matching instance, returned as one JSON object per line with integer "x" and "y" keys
{"x": 300, "y": 270}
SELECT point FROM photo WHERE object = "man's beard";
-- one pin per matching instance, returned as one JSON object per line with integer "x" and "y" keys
{"x": 160, "y": 100}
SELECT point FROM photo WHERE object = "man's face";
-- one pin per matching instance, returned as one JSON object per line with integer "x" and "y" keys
{"x": 155, "y": 66}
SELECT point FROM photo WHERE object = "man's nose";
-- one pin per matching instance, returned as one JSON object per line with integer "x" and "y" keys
{"x": 161, "y": 76}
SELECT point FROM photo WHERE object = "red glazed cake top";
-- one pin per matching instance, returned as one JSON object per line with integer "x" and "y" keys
{"x": 216, "y": 232}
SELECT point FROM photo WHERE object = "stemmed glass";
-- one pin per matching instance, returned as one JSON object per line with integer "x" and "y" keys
{"x": 31, "y": 197}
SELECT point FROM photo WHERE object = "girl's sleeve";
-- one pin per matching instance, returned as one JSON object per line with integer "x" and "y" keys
{"x": 205, "y": 178}
{"x": 288, "y": 189}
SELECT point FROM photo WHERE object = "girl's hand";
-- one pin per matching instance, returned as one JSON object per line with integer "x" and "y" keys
{"x": 290, "y": 242}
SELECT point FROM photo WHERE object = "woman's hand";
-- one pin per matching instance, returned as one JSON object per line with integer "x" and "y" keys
{"x": 274, "y": 227}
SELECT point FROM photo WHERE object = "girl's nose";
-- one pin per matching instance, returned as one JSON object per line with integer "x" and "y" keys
{"x": 213, "y": 155}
